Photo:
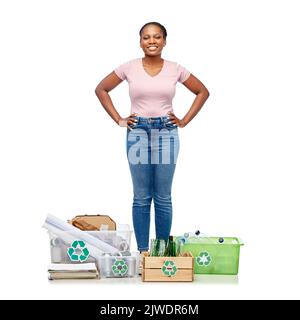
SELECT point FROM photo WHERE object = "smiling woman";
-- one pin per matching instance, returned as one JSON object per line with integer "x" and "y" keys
{"x": 152, "y": 82}
{"x": 153, "y": 38}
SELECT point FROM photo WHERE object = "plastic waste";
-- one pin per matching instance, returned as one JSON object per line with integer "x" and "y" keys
{"x": 192, "y": 237}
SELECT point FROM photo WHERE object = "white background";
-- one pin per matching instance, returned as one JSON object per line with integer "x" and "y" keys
{"x": 238, "y": 166}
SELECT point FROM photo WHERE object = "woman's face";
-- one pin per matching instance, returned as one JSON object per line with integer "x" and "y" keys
{"x": 152, "y": 41}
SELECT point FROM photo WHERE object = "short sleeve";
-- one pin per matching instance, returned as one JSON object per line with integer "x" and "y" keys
{"x": 182, "y": 73}
{"x": 122, "y": 70}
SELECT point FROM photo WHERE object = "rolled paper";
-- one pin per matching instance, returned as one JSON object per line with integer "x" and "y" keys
{"x": 77, "y": 234}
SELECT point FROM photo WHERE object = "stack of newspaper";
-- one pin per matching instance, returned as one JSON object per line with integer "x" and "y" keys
{"x": 73, "y": 271}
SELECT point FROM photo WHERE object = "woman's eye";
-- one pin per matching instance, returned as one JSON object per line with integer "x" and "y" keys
{"x": 155, "y": 37}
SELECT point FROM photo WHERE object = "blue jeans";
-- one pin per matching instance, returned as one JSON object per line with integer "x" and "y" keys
{"x": 152, "y": 150}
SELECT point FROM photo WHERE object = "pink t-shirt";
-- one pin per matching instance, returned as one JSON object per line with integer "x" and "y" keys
{"x": 151, "y": 96}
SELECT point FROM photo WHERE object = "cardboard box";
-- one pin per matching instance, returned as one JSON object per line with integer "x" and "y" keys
{"x": 168, "y": 269}
{"x": 93, "y": 222}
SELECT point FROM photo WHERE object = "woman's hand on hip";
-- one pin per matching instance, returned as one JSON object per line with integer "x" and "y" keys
{"x": 125, "y": 122}
{"x": 173, "y": 119}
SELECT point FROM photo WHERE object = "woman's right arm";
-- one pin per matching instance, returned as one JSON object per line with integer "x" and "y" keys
{"x": 102, "y": 90}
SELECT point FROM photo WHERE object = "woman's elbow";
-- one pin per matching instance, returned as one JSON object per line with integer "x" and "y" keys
{"x": 98, "y": 89}
{"x": 204, "y": 92}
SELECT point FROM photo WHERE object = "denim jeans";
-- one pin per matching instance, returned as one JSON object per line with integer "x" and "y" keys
{"x": 152, "y": 150}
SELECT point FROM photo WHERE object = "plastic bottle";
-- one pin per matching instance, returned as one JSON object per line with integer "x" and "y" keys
{"x": 191, "y": 237}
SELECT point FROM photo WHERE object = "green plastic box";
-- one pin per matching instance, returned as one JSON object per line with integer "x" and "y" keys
{"x": 213, "y": 257}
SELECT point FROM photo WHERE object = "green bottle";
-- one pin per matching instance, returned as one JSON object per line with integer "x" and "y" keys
{"x": 157, "y": 248}
{"x": 171, "y": 248}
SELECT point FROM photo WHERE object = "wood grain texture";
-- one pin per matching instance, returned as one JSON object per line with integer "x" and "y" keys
{"x": 182, "y": 275}
{"x": 152, "y": 269}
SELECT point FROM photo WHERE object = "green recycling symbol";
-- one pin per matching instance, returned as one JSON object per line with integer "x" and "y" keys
{"x": 119, "y": 268}
{"x": 78, "y": 251}
{"x": 169, "y": 268}
{"x": 204, "y": 259}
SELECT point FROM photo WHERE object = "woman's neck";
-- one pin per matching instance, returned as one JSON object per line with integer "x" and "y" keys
{"x": 149, "y": 60}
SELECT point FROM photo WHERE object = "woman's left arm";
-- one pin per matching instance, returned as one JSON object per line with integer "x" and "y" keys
{"x": 201, "y": 92}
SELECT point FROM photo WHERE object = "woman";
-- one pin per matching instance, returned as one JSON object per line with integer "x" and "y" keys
{"x": 152, "y": 82}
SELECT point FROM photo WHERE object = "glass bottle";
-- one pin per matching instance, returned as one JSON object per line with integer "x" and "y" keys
{"x": 157, "y": 248}
{"x": 171, "y": 248}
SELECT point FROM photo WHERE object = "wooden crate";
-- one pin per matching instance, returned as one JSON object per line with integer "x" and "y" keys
{"x": 168, "y": 269}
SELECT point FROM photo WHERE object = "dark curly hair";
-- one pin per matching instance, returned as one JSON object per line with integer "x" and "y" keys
{"x": 162, "y": 28}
